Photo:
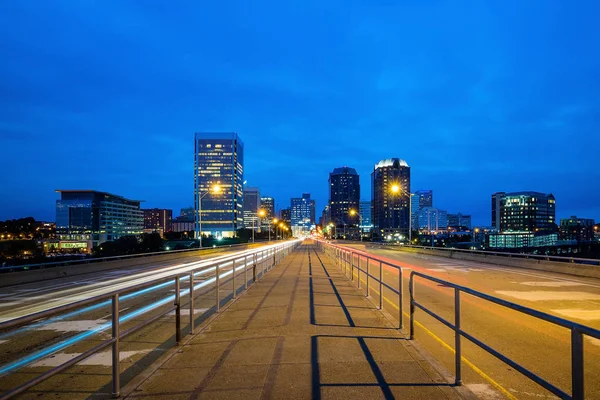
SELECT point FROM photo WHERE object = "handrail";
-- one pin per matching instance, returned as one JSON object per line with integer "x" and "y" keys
{"x": 573, "y": 260}
{"x": 577, "y": 332}
{"x": 346, "y": 258}
{"x": 267, "y": 257}
{"x": 53, "y": 264}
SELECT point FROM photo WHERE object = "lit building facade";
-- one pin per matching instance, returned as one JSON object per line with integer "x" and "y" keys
{"x": 218, "y": 160}
{"x": 251, "y": 207}
{"x": 96, "y": 217}
{"x": 344, "y": 195}
{"x": 523, "y": 219}
{"x": 458, "y": 221}
{"x": 267, "y": 204}
{"x": 390, "y": 211}
{"x": 302, "y": 214}
{"x": 433, "y": 219}
{"x": 577, "y": 229}
{"x": 525, "y": 212}
{"x": 157, "y": 219}
{"x": 365, "y": 212}
{"x": 420, "y": 200}
{"x": 285, "y": 215}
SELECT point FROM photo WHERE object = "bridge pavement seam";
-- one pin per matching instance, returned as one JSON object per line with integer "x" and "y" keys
{"x": 288, "y": 314}
{"x": 213, "y": 371}
{"x": 273, "y": 369}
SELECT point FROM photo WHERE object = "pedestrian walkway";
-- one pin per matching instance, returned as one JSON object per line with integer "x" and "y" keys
{"x": 303, "y": 331}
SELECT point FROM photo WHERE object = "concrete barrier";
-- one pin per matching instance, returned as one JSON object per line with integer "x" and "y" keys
{"x": 588, "y": 271}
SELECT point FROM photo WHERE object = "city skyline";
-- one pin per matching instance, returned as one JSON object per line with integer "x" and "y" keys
{"x": 473, "y": 114}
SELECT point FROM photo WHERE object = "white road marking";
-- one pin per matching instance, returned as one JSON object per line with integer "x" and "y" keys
{"x": 71, "y": 326}
{"x": 586, "y": 315}
{"x": 551, "y": 284}
{"x": 549, "y": 296}
{"x": 484, "y": 391}
{"x": 103, "y": 359}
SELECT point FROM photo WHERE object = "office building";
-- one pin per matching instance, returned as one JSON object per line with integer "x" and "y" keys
{"x": 523, "y": 212}
{"x": 459, "y": 221}
{"x": 285, "y": 215}
{"x": 96, "y": 217}
{"x": 251, "y": 208}
{"x": 496, "y": 207}
{"x": 576, "y": 229}
{"x": 344, "y": 195}
{"x": 433, "y": 219}
{"x": 157, "y": 220}
{"x": 218, "y": 160}
{"x": 325, "y": 216}
{"x": 187, "y": 213}
{"x": 302, "y": 214}
{"x": 515, "y": 240}
{"x": 390, "y": 198}
{"x": 365, "y": 212}
{"x": 268, "y": 205}
{"x": 419, "y": 200}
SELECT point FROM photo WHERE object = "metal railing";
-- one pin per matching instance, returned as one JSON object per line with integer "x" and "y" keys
{"x": 345, "y": 259}
{"x": 577, "y": 332}
{"x": 572, "y": 260}
{"x": 349, "y": 261}
{"x": 54, "y": 264}
{"x": 265, "y": 259}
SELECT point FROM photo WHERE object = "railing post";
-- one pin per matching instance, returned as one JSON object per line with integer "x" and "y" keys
{"x": 254, "y": 268}
{"x": 400, "y": 298}
{"x": 358, "y": 270}
{"x": 233, "y": 279}
{"x": 380, "y": 285}
{"x": 457, "y": 346}
{"x": 411, "y": 290}
{"x": 246, "y": 272}
{"x": 191, "y": 302}
{"x": 177, "y": 311}
{"x": 218, "y": 288}
{"x": 577, "y": 387}
{"x": 351, "y": 266}
{"x": 274, "y": 257}
{"x": 116, "y": 359}
{"x": 367, "y": 276}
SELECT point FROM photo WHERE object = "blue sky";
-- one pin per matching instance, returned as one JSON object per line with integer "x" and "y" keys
{"x": 477, "y": 96}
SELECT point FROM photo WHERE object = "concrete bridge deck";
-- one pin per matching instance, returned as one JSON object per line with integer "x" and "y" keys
{"x": 303, "y": 331}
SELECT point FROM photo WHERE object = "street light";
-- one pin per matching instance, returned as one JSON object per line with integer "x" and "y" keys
{"x": 215, "y": 189}
{"x": 396, "y": 189}
{"x": 261, "y": 213}
{"x": 331, "y": 225}
{"x": 273, "y": 221}
{"x": 353, "y": 213}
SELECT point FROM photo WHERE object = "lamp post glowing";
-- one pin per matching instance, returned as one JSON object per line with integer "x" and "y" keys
{"x": 353, "y": 213}
{"x": 273, "y": 221}
{"x": 215, "y": 189}
{"x": 260, "y": 213}
{"x": 396, "y": 189}
{"x": 331, "y": 225}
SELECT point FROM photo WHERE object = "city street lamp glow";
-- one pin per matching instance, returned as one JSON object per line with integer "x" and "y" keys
{"x": 275, "y": 221}
{"x": 262, "y": 213}
{"x": 216, "y": 188}
{"x": 352, "y": 212}
{"x": 395, "y": 189}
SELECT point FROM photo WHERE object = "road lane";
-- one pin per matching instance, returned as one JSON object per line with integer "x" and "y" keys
{"x": 540, "y": 346}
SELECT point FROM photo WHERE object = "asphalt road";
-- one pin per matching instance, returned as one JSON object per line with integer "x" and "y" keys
{"x": 28, "y": 351}
{"x": 540, "y": 346}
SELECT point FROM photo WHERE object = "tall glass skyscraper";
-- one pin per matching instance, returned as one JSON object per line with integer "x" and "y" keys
{"x": 251, "y": 207}
{"x": 344, "y": 195}
{"x": 96, "y": 217}
{"x": 391, "y": 210}
{"x": 218, "y": 159}
{"x": 420, "y": 200}
{"x": 302, "y": 214}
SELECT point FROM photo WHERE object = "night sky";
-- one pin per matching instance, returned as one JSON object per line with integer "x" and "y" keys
{"x": 476, "y": 96}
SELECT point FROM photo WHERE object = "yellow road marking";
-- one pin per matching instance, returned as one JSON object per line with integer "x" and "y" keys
{"x": 447, "y": 346}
